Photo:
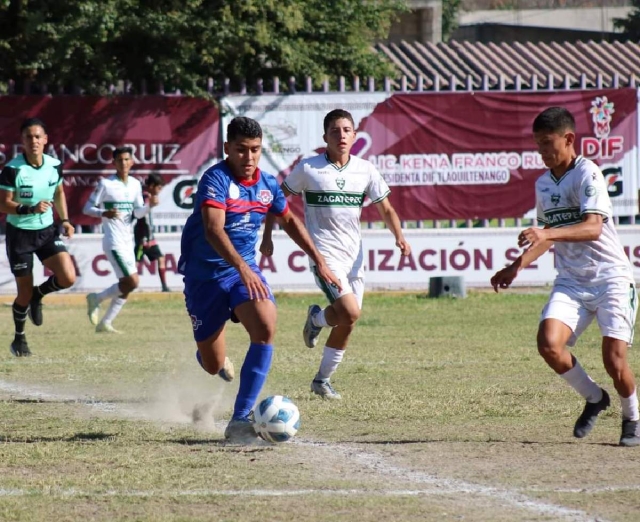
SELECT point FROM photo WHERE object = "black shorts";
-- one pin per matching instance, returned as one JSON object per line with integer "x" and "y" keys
{"x": 22, "y": 244}
{"x": 149, "y": 250}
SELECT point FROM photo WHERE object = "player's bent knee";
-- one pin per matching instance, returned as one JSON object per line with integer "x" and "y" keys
{"x": 66, "y": 279}
{"x": 263, "y": 333}
{"x": 349, "y": 317}
{"x": 548, "y": 352}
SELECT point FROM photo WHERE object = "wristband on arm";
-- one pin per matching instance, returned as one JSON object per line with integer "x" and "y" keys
{"x": 23, "y": 210}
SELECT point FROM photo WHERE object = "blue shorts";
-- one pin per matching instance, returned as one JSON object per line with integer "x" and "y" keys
{"x": 210, "y": 304}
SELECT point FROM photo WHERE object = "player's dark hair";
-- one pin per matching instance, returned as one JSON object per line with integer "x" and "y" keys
{"x": 242, "y": 127}
{"x": 154, "y": 180}
{"x": 32, "y": 122}
{"x": 554, "y": 119}
{"x": 121, "y": 150}
{"x": 337, "y": 114}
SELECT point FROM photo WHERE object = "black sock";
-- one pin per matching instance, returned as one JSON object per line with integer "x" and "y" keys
{"x": 19, "y": 317}
{"x": 50, "y": 285}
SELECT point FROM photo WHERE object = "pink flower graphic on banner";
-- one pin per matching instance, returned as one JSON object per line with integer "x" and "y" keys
{"x": 601, "y": 114}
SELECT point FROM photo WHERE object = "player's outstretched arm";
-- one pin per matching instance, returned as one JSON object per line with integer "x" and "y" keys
{"x": 60, "y": 202}
{"x": 390, "y": 218}
{"x": 296, "y": 231}
{"x": 213, "y": 221}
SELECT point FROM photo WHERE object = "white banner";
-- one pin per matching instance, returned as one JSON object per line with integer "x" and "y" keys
{"x": 474, "y": 254}
{"x": 293, "y": 126}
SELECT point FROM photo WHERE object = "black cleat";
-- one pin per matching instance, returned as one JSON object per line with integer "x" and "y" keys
{"x": 630, "y": 433}
{"x": 35, "y": 310}
{"x": 587, "y": 419}
{"x": 19, "y": 347}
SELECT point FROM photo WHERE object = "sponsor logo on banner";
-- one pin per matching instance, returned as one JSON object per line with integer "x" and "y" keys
{"x": 184, "y": 194}
{"x": 602, "y": 146}
{"x": 601, "y": 114}
{"x": 613, "y": 179}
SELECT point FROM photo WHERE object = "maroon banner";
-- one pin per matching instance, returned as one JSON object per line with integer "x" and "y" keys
{"x": 472, "y": 155}
{"x": 176, "y": 137}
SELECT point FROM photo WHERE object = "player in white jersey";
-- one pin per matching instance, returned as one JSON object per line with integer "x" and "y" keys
{"x": 595, "y": 278}
{"x": 334, "y": 186}
{"x": 117, "y": 200}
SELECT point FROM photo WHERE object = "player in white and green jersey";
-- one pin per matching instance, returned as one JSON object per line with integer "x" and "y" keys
{"x": 30, "y": 186}
{"x": 333, "y": 186}
{"x": 117, "y": 200}
{"x": 595, "y": 278}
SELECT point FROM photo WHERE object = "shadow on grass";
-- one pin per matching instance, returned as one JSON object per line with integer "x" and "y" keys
{"x": 78, "y": 437}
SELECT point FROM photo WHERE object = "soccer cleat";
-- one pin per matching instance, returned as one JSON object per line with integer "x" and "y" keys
{"x": 35, "y": 309}
{"x": 311, "y": 332}
{"x": 227, "y": 372}
{"x": 323, "y": 388}
{"x": 19, "y": 347}
{"x": 106, "y": 328}
{"x": 166, "y": 289}
{"x": 241, "y": 431}
{"x": 93, "y": 307}
{"x": 587, "y": 419}
{"x": 630, "y": 433}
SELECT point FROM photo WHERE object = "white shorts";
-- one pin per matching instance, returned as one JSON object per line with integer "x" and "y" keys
{"x": 352, "y": 282}
{"x": 123, "y": 261}
{"x": 614, "y": 305}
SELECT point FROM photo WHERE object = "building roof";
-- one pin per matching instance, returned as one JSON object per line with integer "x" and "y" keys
{"x": 474, "y": 65}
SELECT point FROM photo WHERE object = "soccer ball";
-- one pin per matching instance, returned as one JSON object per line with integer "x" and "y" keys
{"x": 277, "y": 419}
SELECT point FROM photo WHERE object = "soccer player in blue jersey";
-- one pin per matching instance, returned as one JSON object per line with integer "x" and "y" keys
{"x": 222, "y": 279}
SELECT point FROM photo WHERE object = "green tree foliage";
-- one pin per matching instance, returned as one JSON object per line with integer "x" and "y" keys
{"x": 450, "y": 10}
{"x": 181, "y": 43}
{"x": 631, "y": 24}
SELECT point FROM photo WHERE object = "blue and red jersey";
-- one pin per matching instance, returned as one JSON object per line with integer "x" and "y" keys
{"x": 245, "y": 202}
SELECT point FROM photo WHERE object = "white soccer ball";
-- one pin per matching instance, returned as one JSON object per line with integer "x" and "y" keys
{"x": 277, "y": 419}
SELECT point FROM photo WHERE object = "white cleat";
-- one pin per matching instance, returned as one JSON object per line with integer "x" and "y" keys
{"x": 106, "y": 328}
{"x": 311, "y": 332}
{"x": 93, "y": 307}
{"x": 323, "y": 388}
{"x": 227, "y": 372}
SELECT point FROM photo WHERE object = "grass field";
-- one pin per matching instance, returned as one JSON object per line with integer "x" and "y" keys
{"x": 448, "y": 413}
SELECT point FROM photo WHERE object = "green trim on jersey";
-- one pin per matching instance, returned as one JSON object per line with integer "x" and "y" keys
{"x": 118, "y": 205}
{"x": 562, "y": 217}
{"x": 557, "y": 181}
{"x": 30, "y": 185}
{"x": 384, "y": 196}
{"x": 284, "y": 184}
{"x": 339, "y": 169}
{"x": 329, "y": 198}
{"x": 331, "y": 292}
{"x": 121, "y": 263}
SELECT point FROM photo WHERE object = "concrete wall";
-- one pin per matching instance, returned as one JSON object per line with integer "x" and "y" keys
{"x": 497, "y": 33}
{"x": 584, "y": 19}
{"x": 423, "y": 23}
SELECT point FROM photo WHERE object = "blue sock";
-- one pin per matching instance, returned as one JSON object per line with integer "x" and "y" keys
{"x": 252, "y": 378}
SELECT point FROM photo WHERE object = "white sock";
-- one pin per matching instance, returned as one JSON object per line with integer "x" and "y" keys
{"x": 578, "y": 379}
{"x": 320, "y": 320}
{"x": 114, "y": 309}
{"x": 630, "y": 407}
{"x": 331, "y": 358}
{"x": 108, "y": 293}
